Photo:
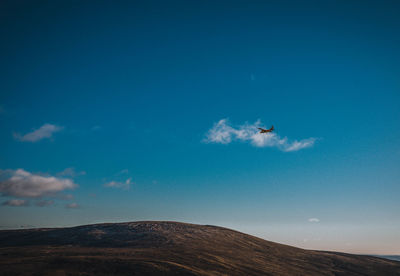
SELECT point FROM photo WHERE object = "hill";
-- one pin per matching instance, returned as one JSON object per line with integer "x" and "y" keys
{"x": 169, "y": 248}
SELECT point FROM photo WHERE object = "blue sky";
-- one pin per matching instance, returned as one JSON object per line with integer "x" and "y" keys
{"x": 148, "y": 111}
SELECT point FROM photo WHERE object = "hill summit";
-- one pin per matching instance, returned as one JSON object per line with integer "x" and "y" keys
{"x": 169, "y": 248}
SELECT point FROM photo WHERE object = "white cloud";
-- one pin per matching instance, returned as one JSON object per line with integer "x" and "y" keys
{"x": 223, "y": 133}
{"x": 298, "y": 145}
{"x": 313, "y": 220}
{"x": 20, "y": 183}
{"x": 45, "y": 131}
{"x": 72, "y": 205}
{"x": 16, "y": 202}
{"x": 116, "y": 184}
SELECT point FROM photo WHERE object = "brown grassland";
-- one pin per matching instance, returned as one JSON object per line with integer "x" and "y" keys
{"x": 169, "y": 248}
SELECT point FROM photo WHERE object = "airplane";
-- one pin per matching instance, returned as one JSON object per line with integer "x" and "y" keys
{"x": 263, "y": 130}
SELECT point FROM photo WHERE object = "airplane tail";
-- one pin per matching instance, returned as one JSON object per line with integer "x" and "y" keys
{"x": 272, "y": 128}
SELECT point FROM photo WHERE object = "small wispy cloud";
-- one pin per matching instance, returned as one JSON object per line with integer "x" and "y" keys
{"x": 124, "y": 171}
{"x": 298, "y": 145}
{"x": 16, "y": 202}
{"x": 71, "y": 172}
{"x": 20, "y": 183}
{"x": 72, "y": 205}
{"x": 117, "y": 184}
{"x": 46, "y": 131}
{"x": 43, "y": 203}
{"x": 313, "y": 220}
{"x": 224, "y": 133}
{"x": 65, "y": 196}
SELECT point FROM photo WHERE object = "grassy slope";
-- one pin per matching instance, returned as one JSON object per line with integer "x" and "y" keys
{"x": 169, "y": 248}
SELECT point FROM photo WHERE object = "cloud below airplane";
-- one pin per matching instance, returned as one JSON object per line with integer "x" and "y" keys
{"x": 224, "y": 133}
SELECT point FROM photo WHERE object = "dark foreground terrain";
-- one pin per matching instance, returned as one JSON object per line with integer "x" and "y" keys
{"x": 168, "y": 248}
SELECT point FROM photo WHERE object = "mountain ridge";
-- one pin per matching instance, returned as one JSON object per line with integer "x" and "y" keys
{"x": 170, "y": 248}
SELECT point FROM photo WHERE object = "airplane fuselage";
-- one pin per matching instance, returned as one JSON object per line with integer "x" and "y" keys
{"x": 262, "y": 130}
